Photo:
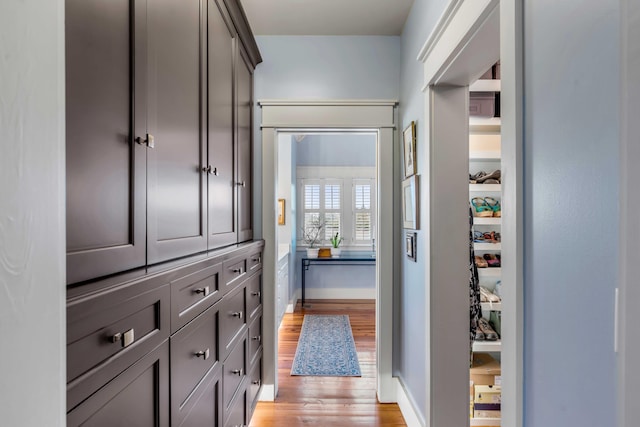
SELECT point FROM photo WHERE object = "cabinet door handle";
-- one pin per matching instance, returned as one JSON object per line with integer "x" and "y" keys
{"x": 258, "y": 259}
{"x": 237, "y": 270}
{"x": 128, "y": 338}
{"x": 210, "y": 170}
{"x": 255, "y": 294}
{"x": 204, "y": 291}
{"x": 241, "y": 184}
{"x": 237, "y": 314}
{"x": 203, "y": 354}
{"x": 237, "y": 372}
{"x": 256, "y": 338}
{"x": 149, "y": 141}
{"x": 256, "y": 382}
{"x": 115, "y": 337}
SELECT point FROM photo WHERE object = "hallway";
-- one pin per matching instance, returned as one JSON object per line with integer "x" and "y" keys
{"x": 328, "y": 401}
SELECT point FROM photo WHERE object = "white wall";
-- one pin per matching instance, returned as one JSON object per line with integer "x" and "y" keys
{"x": 571, "y": 163}
{"x": 32, "y": 232}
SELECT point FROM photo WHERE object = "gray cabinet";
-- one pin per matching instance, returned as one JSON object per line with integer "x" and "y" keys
{"x": 244, "y": 114}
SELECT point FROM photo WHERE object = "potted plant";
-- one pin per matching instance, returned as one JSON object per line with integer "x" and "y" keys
{"x": 335, "y": 245}
{"x": 311, "y": 234}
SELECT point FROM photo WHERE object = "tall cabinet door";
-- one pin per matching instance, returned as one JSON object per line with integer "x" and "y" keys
{"x": 105, "y": 113}
{"x": 176, "y": 224}
{"x": 222, "y": 182}
{"x": 244, "y": 100}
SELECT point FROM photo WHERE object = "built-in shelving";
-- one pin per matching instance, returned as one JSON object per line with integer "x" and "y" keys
{"x": 484, "y": 422}
{"x": 485, "y": 155}
{"x": 487, "y": 246}
{"x": 489, "y": 272}
{"x": 484, "y": 124}
{"x": 491, "y": 306}
{"x": 487, "y": 221}
{"x": 485, "y": 188}
{"x": 487, "y": 346}
{"x": 485, "y": 85}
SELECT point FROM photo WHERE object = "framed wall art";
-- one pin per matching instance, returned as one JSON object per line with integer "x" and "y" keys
{"x": 410, "y": 203}
{"x": 410, "y": 245}
{"x": 409, "y": 145}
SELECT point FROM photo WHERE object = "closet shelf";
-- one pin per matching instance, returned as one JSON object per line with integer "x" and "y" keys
{"x": 485, "y": 85}
{"x": 491, "y": 306}
{"x": 487, "y": 221}
{"x": 489, "y": 272}
{"x": 484, "y": 422}
{"x": 484, "y": 155}
{"x": 485, "y": 188}
{"x": 484, "y": 124}
{"x": 487, "y": 346}
{"x": 487, "y": 246}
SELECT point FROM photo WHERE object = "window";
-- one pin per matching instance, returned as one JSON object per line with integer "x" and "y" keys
{"x": 343, "y": 199}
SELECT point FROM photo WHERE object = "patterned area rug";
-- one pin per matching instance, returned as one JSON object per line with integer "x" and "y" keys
{"x": 326, "y": 348}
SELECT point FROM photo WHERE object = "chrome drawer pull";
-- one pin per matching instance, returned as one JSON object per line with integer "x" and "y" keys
{"x": 241, "y": 184}
{"x": 256, "y": 338}
{"x": 204, "y": 291}
{"x": 237, "y": 372}
{"x": 256, "y": 382}
{"x": 255, "y": 294}
{"x": 116, "y": 337}
{"x": 203, "y": 354}
{"x": 237, "y": 314}
{"x": 128, "y": 338}
{"x": 256, "y": 259}
{"x": 237, "y": 270}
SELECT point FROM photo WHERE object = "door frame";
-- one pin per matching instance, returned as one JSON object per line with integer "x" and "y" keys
{"x": 377, "y": 116}
{"x": 468, "y": 39}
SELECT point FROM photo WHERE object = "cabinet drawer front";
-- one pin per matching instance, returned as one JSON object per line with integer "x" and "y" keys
{"x": 234, "y": 371}
{"x": 136, "y": 397}
{"x": 193, "y": 294}
{"x": 194, "y": 352}
{"x": 254, "y": 261}
{"x": 233, "y": 320}
{"x": 234, "y": 270}
{"x": 254, "y": 295}
{"x": 235, "y": 417}
{"x": 255, "y": 340}
{"x": 204, "y": 407}
{"x": 108, "y": 332}
{"x": 253, "y": 387}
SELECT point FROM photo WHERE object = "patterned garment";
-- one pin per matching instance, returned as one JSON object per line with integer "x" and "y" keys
{"x": 474, "y": 290}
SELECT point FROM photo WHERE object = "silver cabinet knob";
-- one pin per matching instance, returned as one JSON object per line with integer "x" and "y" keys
{"x": 204, "y": 354}
{"x": 210, "y": 170}
{"x": 237, "y": 314}
{"x": 204, "y": 291}
{"x": 256, "y": 338}
{"x": 256, "y": 382}
{"x": 255, "y": 294}
{"x": 241, "y": 184}
{"x": 237, "y": 372}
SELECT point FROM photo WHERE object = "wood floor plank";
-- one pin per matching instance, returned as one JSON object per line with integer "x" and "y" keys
{"x": 328, "y": 401}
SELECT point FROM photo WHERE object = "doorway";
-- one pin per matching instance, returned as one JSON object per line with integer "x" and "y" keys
{"x": 290, "y": 117}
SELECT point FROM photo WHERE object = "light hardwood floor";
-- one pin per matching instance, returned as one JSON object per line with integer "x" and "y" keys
{"x": 328, "y": 401}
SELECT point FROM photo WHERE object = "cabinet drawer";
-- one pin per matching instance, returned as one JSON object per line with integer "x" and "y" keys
{"x": 254, "y": 262}
{"x": 193, "y": 354}
{"x": 254, "y": 296}
{"x": 194, "y": 293}
{"x": 255, "y": 340}
{"x": 136, "y": 397}
{"x": 232, "y": 320}
{"x": 204, "y": 406}
{"x": 234, "y": 270}
{"x": 235, "y": 416}
{"x": 109, "y": 331}
{"x": 234, "y": 370}
{"x": 253, "y": 388}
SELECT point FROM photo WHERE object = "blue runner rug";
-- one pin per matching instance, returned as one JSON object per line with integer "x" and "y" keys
{"x": 326, "y": 348}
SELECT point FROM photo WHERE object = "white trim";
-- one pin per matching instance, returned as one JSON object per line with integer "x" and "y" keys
{"x": 411, "y": 416}
{"x": 378, "y": 117}
{"x": 340, "y": 293}
{"x": 336, "y": 172}
{"x": 267, "y": 394}
{"x": 439, "y": 29}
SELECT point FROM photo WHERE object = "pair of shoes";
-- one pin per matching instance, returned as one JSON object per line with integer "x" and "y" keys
{"x": 485, "y": 329}
{"x": 481, "y": 208}
{"x": 489, "y": 237}
{"x": 481, "y": 262}
{"x": 487, "y": 296}
{"x": 494, "y": 204}
{"x": 493, "y": 260}
{"x": 485, "y": 178}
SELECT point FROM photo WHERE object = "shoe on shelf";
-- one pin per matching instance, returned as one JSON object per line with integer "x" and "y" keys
{"x": 481, "y": 208}
{"x": 487, "y": 296}
{"x": 493, "y": 260}
{"x": 479, "y": 334}
{"x": 481, "y": 262}
{"x": 494, "y": 204}
{"x": 473, "y": 179}
{"x": 494, "y": 176}
{"x": 487, "y": 330}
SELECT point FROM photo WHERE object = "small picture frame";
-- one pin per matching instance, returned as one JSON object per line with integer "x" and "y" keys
{"x": 410, "y": 203}
{"x": 409, "y": 146}
{"x": 281, "y": 212}
{"x": 411, "y": 244}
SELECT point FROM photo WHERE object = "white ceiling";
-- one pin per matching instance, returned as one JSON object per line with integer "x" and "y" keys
{"x": 327, "y": 17}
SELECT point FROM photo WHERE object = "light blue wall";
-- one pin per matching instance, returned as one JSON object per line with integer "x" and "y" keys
{"x": 409, "y": 321}
{"x": 337, "y": 150}
{"x": 571, "y": 211}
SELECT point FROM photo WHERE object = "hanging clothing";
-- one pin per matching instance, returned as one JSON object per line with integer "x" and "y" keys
{"x": 474, "y": 290}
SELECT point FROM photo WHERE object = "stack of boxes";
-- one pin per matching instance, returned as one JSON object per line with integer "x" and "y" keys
{"x": 485, "y": 394}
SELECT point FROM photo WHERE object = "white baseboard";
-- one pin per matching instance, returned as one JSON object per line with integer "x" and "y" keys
{"x": 407, "y": 408}
{"x": 267, "y": 394}
{"x": 340, "y": 293}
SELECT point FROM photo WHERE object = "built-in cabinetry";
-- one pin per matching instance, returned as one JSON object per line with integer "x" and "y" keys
{"x": 485, "y": 155}
{"x": 164, "y": 304}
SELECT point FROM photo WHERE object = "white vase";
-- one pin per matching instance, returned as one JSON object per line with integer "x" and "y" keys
{"x": 335, "y": 252}
{"x": 312, "y": 252}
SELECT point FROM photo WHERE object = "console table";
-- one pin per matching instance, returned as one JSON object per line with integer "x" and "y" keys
{"x": 343, "y": 259}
